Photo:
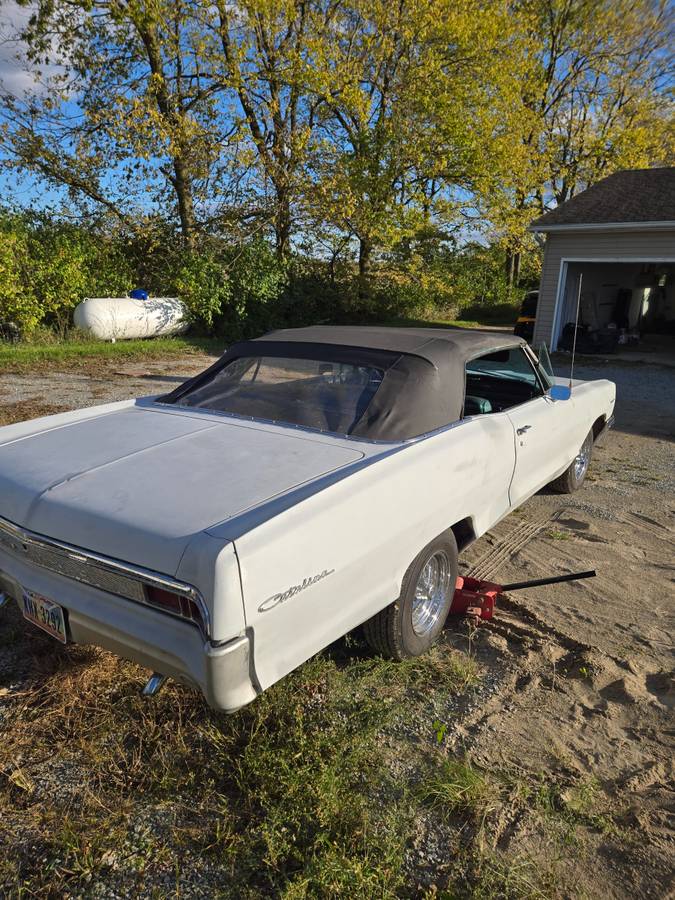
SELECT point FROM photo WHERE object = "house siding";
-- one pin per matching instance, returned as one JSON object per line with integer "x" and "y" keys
{"x": 592, "y": 245}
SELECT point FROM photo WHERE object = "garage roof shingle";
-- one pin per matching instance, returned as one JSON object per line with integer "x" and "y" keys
{"x": 630, "y": 196}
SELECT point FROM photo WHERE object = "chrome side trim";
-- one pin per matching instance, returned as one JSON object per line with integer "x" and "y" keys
{"x": 106, "y": 574}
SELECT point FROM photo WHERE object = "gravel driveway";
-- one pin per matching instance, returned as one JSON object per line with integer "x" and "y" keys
{"x": 29, "y": 394}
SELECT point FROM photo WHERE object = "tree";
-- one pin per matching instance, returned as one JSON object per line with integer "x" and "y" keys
{"x": 408, "y": 96}
{"x": 125, "y": 115}
{"x": 263, "y": 56}
{"x": 593, "y": 101}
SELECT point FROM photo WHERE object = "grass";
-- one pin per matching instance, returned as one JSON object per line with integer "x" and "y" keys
{"x": 24, "y": 356}
{"x": 458, "y": 786}
{"x": 46, "y": 348}
{"x": 477, "y": 316}
{"x": 315, "y": 790}
{"x": 295, "y": 796}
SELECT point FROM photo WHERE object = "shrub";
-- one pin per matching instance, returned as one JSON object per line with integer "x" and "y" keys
{"x": 202, "y": 284}
{"x": 69, "y": 264}
{"x": 258, "y": 281}
{"x": 18, "y": 302}
{"x": 47, "y": 268}
{"x": 234, "y": 290}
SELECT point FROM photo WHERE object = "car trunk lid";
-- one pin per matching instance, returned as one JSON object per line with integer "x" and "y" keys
{"x": 139, "y": 483}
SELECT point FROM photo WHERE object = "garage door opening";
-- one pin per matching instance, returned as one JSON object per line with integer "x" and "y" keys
{"x": 624, "y": 307}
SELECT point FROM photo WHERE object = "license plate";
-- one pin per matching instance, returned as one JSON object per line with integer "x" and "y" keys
{"x": 46, "y": 614}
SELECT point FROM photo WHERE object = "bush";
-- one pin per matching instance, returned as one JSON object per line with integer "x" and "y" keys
{"x": 201, "y": 283}
{"x": 47, "y": 268}
{"x": 234, "y": 291}
{"x": 258, "y": 283}
{"x": 67, "y": 265}
{"x": 18, "y": 302}
{"x": 491, "y": 313}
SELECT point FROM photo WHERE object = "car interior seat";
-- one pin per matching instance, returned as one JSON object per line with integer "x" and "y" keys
{"x": 476, "y": 406}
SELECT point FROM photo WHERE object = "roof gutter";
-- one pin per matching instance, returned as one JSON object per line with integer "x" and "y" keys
{"x": 604, "y": 226}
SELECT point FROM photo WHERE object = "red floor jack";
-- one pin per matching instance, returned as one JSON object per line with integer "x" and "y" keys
{"x": 476, "y": 599}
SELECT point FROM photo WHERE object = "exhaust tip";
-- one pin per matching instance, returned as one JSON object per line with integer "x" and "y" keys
{"x": 153, "y": 685}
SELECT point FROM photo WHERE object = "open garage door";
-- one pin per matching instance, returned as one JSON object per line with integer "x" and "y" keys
{"x": 624, "y": 307}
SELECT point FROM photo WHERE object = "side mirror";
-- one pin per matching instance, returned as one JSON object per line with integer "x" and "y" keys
{"x": 560, "y": 392}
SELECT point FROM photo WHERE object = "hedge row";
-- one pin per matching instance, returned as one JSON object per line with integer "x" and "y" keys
{"x": 47, "y": 267}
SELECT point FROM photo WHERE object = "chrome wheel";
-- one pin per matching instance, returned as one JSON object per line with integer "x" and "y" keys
{"x": 431, "y": 593}
{"x": 582, "y": 459}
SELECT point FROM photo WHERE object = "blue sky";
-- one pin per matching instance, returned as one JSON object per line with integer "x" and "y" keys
{"x": 16, "y": 80}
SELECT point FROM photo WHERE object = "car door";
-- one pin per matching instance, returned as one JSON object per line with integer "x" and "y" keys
{"x": 541, "y": 447}
{"x": 509, "y": 382}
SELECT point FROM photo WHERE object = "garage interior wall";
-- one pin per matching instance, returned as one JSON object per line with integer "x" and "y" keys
{"x": 657, "y": 245}
{"x": 652, "y": 288}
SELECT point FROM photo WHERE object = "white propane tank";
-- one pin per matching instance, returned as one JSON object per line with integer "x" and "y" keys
{"x": 123, "y": 318}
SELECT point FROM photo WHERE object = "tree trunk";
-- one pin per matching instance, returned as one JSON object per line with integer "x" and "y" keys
{"x": 282, "y": 225}
{"x": 510, "y": 266}
{"x": 186, "y": 209}
{"x": 517, "y": 257}
{"x": 513, "y": 260}
{"x": 170, "y": 109}
{"x": 365, "y": 251}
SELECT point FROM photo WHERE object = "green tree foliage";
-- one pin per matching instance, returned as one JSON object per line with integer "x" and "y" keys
{"x": 365, "y": 141}
{"x": 18, "y": 301}
{"x": 234, "y": 291}
{"x": 595, "y": 96}
{"x": 396, "y": 87}
{"x": 47, "y": 268}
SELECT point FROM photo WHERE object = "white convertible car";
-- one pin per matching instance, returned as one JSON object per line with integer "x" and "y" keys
{"x": 306, "y": 483}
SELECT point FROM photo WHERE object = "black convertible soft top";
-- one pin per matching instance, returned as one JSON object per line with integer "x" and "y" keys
{"x": 422, "y": 388}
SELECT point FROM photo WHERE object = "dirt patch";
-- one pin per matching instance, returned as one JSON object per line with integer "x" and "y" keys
{"x": 533, "y": 757}
{"x": 48, "y": 389}
{"x": 588, "y": 698}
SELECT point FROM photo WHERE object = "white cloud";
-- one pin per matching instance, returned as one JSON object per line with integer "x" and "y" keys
{"x": 16, "y": 77}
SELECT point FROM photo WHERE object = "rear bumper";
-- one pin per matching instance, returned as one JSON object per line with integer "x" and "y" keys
{"x": 222, "y": 671}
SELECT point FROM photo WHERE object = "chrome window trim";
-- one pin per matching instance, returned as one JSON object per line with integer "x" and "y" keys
{"x": 21, "y": 541}
{"x": 538, "y": 368}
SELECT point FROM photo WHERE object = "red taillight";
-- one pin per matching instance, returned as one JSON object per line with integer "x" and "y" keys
{"x": 177, "y": 604}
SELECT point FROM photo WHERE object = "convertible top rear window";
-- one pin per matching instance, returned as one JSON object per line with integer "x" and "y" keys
{"x": 384, "y": 384}
{"x": 323, "y": 393}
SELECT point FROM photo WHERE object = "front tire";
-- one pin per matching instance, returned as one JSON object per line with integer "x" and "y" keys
{"x": 575, "y": 474}
{"x": 410, "y": 625}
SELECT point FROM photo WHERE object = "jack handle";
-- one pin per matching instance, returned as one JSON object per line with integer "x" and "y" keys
{"x": 537, "y": 582}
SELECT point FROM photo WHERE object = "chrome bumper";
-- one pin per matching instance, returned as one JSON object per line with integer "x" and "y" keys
{"x": 109, "y": 575}
{"x": 222, "y": 671}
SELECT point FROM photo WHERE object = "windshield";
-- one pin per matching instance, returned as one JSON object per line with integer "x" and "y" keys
{"x": 315, "y": 393}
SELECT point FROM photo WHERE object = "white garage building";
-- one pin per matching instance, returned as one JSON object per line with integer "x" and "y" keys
{"x": 618, "y": 236}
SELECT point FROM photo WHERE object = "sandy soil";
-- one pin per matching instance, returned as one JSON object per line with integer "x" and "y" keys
{"x": 582, "y": 672}
{"x": 587, "y": 667}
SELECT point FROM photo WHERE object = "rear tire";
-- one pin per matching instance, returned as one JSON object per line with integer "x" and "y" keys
{"x": 575, "y": 474}
{"x": 410, "y": 625}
